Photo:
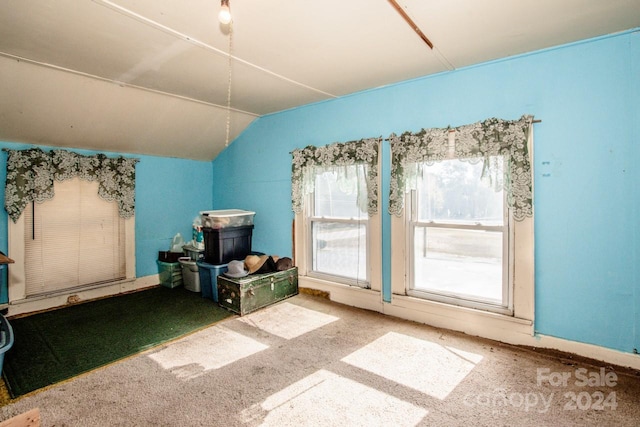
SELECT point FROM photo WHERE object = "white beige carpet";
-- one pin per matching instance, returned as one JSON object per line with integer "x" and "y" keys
{"x": 307, "y": 361}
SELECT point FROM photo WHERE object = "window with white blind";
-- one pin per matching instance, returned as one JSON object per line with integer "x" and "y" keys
{"x": 73, "y": 240}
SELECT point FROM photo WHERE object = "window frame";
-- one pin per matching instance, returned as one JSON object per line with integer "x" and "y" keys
{"x": 310, "y": 219}
{"x": 82, "y": 196}
{"x": 17, "y": 274}
{"x": 468, "y": 320}
{"x": 367, "y": 298}
{"x": 413, "y": 222}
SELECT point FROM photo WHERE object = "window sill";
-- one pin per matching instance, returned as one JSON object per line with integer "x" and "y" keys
{"x": 468, "y": 320}
{"x": 351, "y": 295}
{"x": 497, "y": 327}
{"x": 486, "y": 324}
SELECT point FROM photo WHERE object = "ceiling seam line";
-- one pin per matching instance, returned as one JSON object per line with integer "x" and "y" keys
{"x": 443, "y": 59}
{"x": 168, "y": 30}
{"x": 123, "y": 84}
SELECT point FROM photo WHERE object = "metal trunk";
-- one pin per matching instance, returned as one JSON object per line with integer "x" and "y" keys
{"x": 250, "y": 293}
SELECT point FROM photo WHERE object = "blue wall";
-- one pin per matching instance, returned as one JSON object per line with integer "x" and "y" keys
{"x": 169, "y": 194}
{"x": 586, "y": 154}
{"x": 586, "y": 172}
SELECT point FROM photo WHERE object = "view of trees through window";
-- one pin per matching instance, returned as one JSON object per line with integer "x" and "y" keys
{"x": 458, "y": 235}
{"x": 454, "y": 190}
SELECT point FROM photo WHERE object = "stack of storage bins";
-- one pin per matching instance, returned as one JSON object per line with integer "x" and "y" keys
{"x": 227, "y": 237}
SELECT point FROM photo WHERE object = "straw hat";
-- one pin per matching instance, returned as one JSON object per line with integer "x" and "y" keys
{"x": 255, "y": 262}
{"x": 260, "y": 264}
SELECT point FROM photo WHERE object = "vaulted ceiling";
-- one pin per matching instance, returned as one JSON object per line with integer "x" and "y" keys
{"x": 152, "y": 76}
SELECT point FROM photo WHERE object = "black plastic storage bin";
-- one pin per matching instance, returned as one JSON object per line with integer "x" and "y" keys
{"x": 222, "y": 245}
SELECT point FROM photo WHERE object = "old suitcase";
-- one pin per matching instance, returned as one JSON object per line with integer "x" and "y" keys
{"x": 249, "y": 293}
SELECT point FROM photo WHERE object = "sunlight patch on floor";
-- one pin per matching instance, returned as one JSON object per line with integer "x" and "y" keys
{"x": 418, "y": 364}
{"x": 328, "y": 399}
{"x": 206, "y": 350}
{"x": 287, "y": 320}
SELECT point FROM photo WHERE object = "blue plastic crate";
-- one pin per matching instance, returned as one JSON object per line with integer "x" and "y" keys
{"x": 208, "y": 274}
{"x": 170, "y": 274}
{"x": 4, "y": 289}
{"x": 6, "y": 338}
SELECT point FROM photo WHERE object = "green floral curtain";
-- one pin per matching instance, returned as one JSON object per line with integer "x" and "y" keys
{"x": 334, "y": 157}
{"x": 31, "y": 174}
{"x": 473, "y": 143}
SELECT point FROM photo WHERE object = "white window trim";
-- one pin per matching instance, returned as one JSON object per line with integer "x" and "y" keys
{"x": 370, "y": 299}
{"x": 18, "y": 301}
{"x": 508, "y": 239}
{"x": 518, "y": 326}
{"x": 515, "y": 328}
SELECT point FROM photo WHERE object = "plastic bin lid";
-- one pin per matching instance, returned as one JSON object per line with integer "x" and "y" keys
{"x": 209, "y": 266}
{"x": 227, "y": 212}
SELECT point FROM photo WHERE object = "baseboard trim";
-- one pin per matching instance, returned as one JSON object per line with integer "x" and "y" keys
{"x": 33, "y": 305}
{"x": 590, "y": 351}
{"x": 494, "y": 326}
{"x": 505, "y": 329}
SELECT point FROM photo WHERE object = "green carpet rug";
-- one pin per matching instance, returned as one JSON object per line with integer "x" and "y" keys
{"x": 56, "y": 345}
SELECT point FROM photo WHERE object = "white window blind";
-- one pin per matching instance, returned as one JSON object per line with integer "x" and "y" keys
{"x": 73, "y": 240}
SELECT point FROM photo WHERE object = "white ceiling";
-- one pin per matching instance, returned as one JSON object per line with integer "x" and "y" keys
{"x": 151, "y": 76}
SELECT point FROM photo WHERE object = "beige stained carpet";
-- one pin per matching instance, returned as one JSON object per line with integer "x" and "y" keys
{"x": 308, "y": 361}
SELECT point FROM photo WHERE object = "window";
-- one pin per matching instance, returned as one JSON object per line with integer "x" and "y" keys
{"x": 338, "y": 223}
{"x": 460, "y": 237}
{"x": 462, "y": 231}
{"x": 337, "y": 232}
{"x": 75, "y": 239}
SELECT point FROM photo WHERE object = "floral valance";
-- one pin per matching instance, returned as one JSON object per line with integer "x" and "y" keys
{"x": 475, "y": 142}
{"x": 334, "y": 157}
{"x": 31, "y": 174}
